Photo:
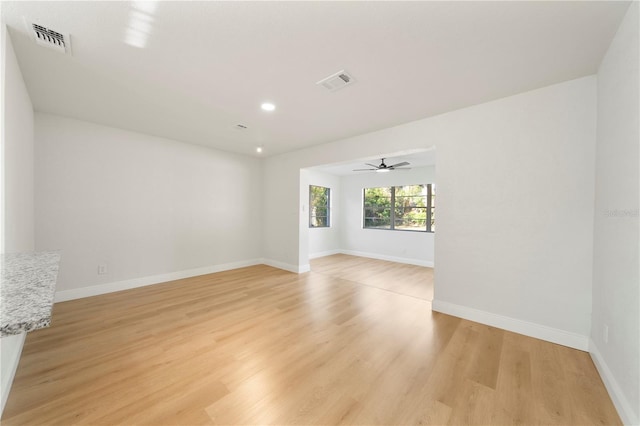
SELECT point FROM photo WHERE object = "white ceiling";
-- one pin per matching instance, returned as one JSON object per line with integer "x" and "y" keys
{"x": 207, "y": 66}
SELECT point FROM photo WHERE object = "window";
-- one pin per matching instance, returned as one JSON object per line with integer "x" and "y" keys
{"x": 400, "y": 208}
{"x": 319, "y": 214}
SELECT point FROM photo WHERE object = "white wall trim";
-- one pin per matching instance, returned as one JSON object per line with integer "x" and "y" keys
{"x": 296, "y": 269}
{"x": 95, "y": 290}
{"x": 620, "y": 401}
{"x": 553, "y": 335}
{"x": 324, "y": 253}
{"x": 417, "y": 262}
{"x": 304, "y": 268}
{"x": 11, "y": 348}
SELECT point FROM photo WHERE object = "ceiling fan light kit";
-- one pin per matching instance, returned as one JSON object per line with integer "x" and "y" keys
{"x": 383, "y": 168}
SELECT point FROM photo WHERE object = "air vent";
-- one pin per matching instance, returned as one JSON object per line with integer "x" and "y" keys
{"x": 336, "y": 81}
{"x": 49, "y": 38}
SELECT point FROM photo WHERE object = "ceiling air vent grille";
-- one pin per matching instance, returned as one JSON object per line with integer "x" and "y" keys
{"x": 336, "y": 81}
{"x": 49, "y": 38}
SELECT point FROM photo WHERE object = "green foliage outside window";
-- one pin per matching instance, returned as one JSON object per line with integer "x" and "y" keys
{"x": 319, "y": 202}
{"x": 413, "y": 208}
{"x": 377, "y": 208}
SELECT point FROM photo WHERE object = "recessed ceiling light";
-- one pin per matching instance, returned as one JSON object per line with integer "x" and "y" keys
{"x": 268, "y": 106}
{"x": 259, "y": 149}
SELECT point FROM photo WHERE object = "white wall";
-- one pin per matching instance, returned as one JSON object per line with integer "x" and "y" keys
{"x": 143, "y": 206}
{"x": 16, "y": 186}
{"x": 283, "y": 188}
{"x": 17, "y": 134}
{"x": 408, "y": 247}
{"x": 515, "y": 211}
{"x": 616, "y": 287}
{"x": 324, "y": 241}
{"x": 515, "y": 206}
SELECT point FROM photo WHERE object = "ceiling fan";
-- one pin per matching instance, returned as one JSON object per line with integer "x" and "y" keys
{"x": 382, "y": 168}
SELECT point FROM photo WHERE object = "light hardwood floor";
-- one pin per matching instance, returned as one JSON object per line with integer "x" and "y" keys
{"x": 338, "y": 345}
{"x": 408, "y": 280}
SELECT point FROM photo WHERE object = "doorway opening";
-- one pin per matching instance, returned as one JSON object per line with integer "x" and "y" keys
{"x": 376, "y": 222}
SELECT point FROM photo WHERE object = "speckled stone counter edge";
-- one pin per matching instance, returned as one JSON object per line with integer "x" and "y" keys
{"x": 27, "y": 289}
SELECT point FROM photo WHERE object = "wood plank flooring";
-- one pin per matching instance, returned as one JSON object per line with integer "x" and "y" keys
{"x": 263, "y": 346}
{"x": 409, "y": 280}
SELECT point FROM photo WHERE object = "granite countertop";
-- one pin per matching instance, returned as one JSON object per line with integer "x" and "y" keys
{"x": 27, "y": 289}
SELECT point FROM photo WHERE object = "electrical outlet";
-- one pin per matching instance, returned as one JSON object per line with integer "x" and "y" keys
{"x": 605, "y": 334}
{"x": 102, "y": 269}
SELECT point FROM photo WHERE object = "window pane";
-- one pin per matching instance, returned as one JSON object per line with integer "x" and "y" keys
{"x": 432, "y": 204}
{"x": 419, "y": 201}
{"x": 377, "y": 222}
{"x": 409, "y": 210}
{"x": 319, "y": 222}
{"x": 411, "y": 191}
{"x": 321, "y": 211}
{"x": 380, "y": 197}
{"x": 433, "y": 220}
{"x": 319, "y": 202}
{"x": 377, "y": 217}
{"x": 413, "y": 218}
{"x": 377, "y": 212}
{"x": 377, "y": 208}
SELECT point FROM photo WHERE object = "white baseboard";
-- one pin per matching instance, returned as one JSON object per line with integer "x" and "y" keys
{"x": 304, "y": 268}
{"x": 10, "y": 350}
{"x": 418, "y": 262}
{"x": 95, "y": 290}
{"x": 625, "y": 410}
{"x": 324, "y": 253}
{"x": 553, "y": 335}
{"x": 297, "y": 269}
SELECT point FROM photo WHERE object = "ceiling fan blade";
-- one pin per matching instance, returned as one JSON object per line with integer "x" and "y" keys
{"x": 372, "y": 165}
{"x": 404, "y": 163}
{"x": 401, "y": 168}
{"x": 365, "y": 170}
